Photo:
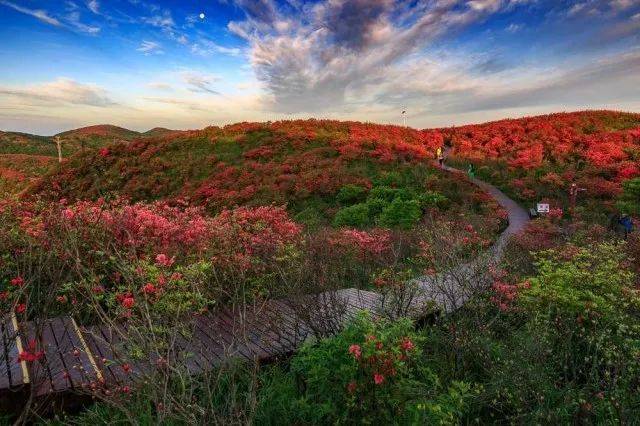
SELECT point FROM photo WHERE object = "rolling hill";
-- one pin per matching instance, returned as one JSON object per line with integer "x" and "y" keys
{"x": 24, "y": 157}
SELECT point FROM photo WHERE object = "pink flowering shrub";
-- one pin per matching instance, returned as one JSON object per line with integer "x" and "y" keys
{"x": 112, "y": 245}
{"x": 365, "y": 244}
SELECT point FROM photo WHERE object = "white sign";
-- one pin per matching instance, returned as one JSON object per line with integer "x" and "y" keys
{"x": 543, "y": 208}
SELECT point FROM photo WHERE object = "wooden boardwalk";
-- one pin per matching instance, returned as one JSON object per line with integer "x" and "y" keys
{"x": 84, "y": 359}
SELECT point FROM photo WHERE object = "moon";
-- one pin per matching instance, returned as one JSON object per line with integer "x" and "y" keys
{"x": 202, "y": 16}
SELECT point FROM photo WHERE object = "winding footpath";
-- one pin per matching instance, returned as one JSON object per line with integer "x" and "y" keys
{"x": 84, "y": 360}
{"x": 451, "y": 289}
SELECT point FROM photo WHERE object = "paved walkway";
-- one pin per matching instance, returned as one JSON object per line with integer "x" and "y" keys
{"x": 89, "y": 359}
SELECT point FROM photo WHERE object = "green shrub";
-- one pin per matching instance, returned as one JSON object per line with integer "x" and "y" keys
{"x": 432, "y": 199}
{"x": 353, "y": 216}
{"x": 351, "y": 194}
{"x": 384, "y": 193}
{"x": 369, "y": 373}
{"x": 629, "y": 201}
{"x": 567, "y": 353}
{"x": 401, "y": 214}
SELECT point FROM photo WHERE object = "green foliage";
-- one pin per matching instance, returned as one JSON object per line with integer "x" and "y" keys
{"x": 351, "y": 194}
{"x": 567, "y": 353}
{"x": 353, "y": 216}
{"x": 400, "y": 214}
{"x": 629, "y": 201}
{"x": 336, "y": 384}
{"x": 386, "y": 206}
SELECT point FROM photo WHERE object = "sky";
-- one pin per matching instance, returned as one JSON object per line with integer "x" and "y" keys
{"x": 188, "y": 64}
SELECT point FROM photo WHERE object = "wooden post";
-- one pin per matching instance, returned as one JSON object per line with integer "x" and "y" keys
{"x": 59, "y": 145}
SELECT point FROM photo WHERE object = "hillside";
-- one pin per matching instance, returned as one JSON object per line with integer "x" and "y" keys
{"x": 24, "y": 157}
{"x": 538, "y": 158}
{"x": 304, "y": 164}
{"x": 103, "y": 132}
{"x": 151, "y": 232}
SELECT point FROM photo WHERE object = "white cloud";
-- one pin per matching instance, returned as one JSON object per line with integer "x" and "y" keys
{"x": 514, "y": 28}
{"x": 158, "y": 85}
{"x": 164, "y": 21}
{"x": 182, "y": 39}
{"x": 200, "y": 82}
{"x": 619, "y": 5}
{"x": 206, "y": 48}
{"x": 342, "y": 52}
{"x": 39, "y": 14}
{"x": 94, "y": 6}
{"x": 73, "y": 19}
{"x": 60, "y": 91}
{"x": 150, "y": 47}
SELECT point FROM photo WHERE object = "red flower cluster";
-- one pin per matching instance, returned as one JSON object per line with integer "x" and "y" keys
{"x": 367, "y": 243}
{"x": 606, "y": 142}
{"x": 30, "y": 354}
{"x": 377, "y": 362}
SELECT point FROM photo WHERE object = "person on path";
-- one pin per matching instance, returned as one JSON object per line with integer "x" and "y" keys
{"x": 440, "y": 156}
{"x": 471, "y": 171}
{"x": 627, "y": 224}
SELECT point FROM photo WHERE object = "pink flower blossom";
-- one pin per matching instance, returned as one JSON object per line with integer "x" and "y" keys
{"x": 356, "y": 351}
{"x": 17, "y": 281}
{"x": 164, "y": 260}
{"x": 378, "y": 378}
{"x": 407, "y": 344}
{"x": 149, "y": 288}
{"x": 68, "y": 214}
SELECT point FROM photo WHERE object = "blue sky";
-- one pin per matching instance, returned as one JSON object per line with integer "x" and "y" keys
{"x": 189, "y": 64}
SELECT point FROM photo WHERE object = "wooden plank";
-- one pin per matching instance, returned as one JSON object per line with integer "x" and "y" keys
{"x": 265, "y": 331}
{"x": 118, "y": 360}
{"x": 40, "y": 371}
{"x": 217, "y": 332}
{"x": 245, "y": 334}
{"x": 208, "y": 351}
{"x": 299, "y": 329}
{"x": 17, "y": 369}
{"x": 101, "y": 353}
{"x": 79, "y": 358}
{"x": 68, "y": 352}
{"x": 5, "y": 382}
{"x": 215, "y": 347}
{"x": 184, "y": 352}
{"x": 60, "y": 379}
{"x": 238, "y": 335}
{"x": 272, "y": 339}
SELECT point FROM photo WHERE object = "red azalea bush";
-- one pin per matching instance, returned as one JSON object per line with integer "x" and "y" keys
{"x": 116, "y": 246}
{"x": 538, "y": 157}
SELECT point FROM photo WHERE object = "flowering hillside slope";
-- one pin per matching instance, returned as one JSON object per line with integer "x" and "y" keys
{"x": 21, "y": 152}
{"x": 539, "y": 158}
{"x": 314, "y": 167}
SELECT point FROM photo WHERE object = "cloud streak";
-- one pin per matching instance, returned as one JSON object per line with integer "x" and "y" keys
{"x": 150, "y": 48}
{"x": 200, "y": 83}
{"x": 41, "y": 15}
{"x": 59, "y": 92}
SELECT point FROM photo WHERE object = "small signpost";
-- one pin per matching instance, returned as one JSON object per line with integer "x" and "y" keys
{"x": 543, "y": 208}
